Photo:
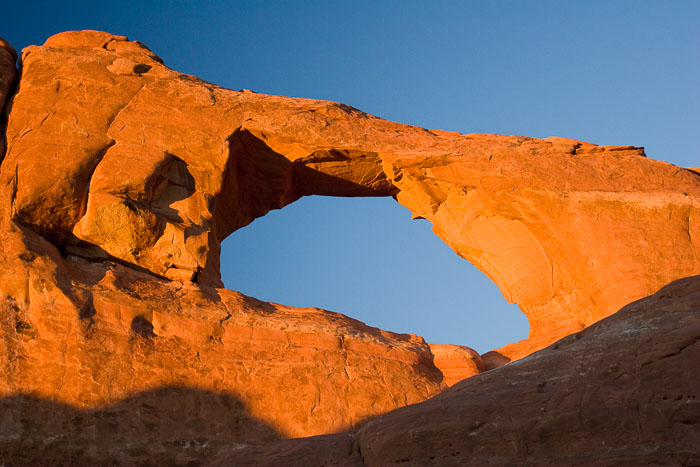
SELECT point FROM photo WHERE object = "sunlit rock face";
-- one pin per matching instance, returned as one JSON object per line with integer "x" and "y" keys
{"x": 8, "y": 56}
{"x": 113, "y": 155}
{"x": 91, "y": 334}
{"x": 121, "y": 178}
{"x": 110, "y": 324}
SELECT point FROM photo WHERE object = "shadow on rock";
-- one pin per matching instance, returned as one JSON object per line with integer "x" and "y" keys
{"x": 163, "y": 426}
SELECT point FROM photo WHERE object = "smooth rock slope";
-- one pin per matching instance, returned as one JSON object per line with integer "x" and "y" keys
{"x": 621, "y": 392}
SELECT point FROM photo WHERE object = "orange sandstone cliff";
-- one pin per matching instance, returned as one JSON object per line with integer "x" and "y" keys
{"x": 120, "y": 179}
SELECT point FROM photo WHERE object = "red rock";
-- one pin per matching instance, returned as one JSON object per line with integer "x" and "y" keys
{"x": 621, "y": 392}
{"x": 95, "y": 333}
{"x": 542, "y": 218}
{"x": 8, "y": 57}
{"x": 456, "y": 362}
{"x": 121, "y": 179}
{"x": 90, "y": 335}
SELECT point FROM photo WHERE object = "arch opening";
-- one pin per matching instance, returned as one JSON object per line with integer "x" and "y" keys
{"x": 365, "y": 258}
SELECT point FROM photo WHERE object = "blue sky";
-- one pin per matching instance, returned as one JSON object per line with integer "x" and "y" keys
{"x": 608, "y": 72}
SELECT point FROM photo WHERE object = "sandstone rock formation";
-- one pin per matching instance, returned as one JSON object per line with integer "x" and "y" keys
{"x": 120, "y": 180}
{"x": 621, "y": 392}
{"x": 90, "y": 334}
{"x": 569, "y": 230}
{"x": 456, "y": 362}
{"x": 8, "y": 57}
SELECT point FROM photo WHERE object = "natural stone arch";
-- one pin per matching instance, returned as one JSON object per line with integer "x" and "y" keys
{"x": 367, "y": 259}
{"x": 157, "y": 167}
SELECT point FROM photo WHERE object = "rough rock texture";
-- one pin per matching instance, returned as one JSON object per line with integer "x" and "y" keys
{"x": 122, "y": 177}
{"x": 456, "y": 362}
{"x": 154, "y": 168}
{"x": 8, "y": 57}
{"x": 90, "y": 334}
{"x": 621, "y": 392}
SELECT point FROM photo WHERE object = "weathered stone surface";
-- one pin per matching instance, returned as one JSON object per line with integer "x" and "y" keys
{"x": 106, "y": 352}
{"x": 122, "y": 177}
{"x": 621, "y": 392}
{"x": 569, "y": 230}
{"x": 618, "y": 393}
{"x": 8, "y": 57}
{"x": 456, "y": 362}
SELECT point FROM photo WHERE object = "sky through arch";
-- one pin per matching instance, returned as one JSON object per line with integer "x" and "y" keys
{"x": 386, "y": 270}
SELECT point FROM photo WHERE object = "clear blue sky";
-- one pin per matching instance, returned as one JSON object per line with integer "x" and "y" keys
{"x": 608, "y": 72}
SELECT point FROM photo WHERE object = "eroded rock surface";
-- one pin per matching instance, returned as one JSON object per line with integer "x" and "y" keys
{"x": 120, "y": 180}
{"x": 113, "y": 355}
{"x": 456, "y": 362}
{"x": 114, "y": 155}
{"x": 8, "y": 57}
{"x": 621, "y": 392}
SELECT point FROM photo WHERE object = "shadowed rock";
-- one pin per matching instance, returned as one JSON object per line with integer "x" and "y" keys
{"x": 164, "y": 426}
{"x": 621, "y": 392}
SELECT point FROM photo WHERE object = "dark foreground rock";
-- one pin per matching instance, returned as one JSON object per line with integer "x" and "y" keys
{"x": 625, "y": 391}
